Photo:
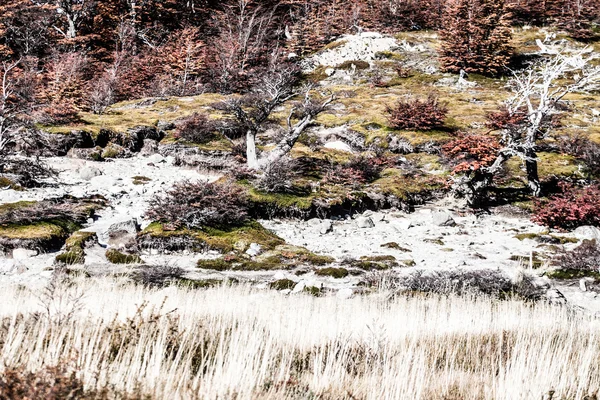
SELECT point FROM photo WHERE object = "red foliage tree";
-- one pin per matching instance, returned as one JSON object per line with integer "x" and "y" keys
{"x": 476, "y": 36}
{"x": 470, "y": 153}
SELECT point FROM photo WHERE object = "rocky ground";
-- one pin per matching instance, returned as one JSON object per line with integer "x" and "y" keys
{"x": 438, "y": 235}
{"x": 435, "y": 236}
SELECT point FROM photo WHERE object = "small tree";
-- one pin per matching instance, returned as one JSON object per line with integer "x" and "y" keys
{"x": 476, "y": 36}
{"x": 529, "y": 116}
{"x": 253, "y": 110}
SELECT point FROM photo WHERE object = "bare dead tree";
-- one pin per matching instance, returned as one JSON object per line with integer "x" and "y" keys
{"x": 253, "y": 110}
{"x": 538, "y": 93}
{"x": 8, "y": 125}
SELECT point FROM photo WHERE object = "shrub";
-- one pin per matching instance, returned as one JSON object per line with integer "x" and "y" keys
{"x": 197, "y": 128}
{"x": 471, "y": 152}
{"x": 490, "y": 282}
{"x": 278, "y": 177}
{"x": 583, "y": 148}
{"x": 585, "y": 258}
{"x": 198, "y": 204}
{"x": 358, "y": 171}
{"x": 570, "y": 209}
{"x": 417, "y": 114}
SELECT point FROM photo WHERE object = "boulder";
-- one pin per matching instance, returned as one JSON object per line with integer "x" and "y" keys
{"x": 94, "y": 154}
{"x": 24, "y": 254}
{"x": 149, "y": 148}
{"x": 325, "y": 227}
{"x": 87, "y": 173}
{"x": 587, "y": 233}
{"x": 443, "y": 218}
{"x": 338, "y": 145}
{"x": 118, "y": 232}
{"x": 365, "y": 222}
{"x": 113, "y": 150}
{"x": 254, "y": 249}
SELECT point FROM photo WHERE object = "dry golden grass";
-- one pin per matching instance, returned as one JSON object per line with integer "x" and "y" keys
{"x": 239, "y": 343}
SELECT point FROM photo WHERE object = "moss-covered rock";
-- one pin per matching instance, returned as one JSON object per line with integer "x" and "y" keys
{"x": 282, "y": 284}
{"x": 75, "y": 248}
{"x": 140, "y": 180}
{"x": 374, "y": 263}
{"x": 236, "y": 239}
{"x": 337, "y": 273}
{"x": 116, "y": 257}
{"x": 44, "y": 225}
{"x": 396, "y": 246}
{"x": 573, "y": 274}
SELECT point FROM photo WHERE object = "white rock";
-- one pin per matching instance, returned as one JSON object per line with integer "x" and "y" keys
{"x": 443, "y": 218}
{"x": 582, "y": 285}
{"x": 156, "y": 158}
{"x": 587, "y": 232}
{"x": 338, "y": 145}
{"x": 402, "y": 224}
{"x": 87, "y": 173}
{"x": 365, "y": 222}
{"x": 254, "y": 249}
{"x": 127, "y": 226}
{"x": 279, "y": 275}
{"x": 329, "y": 71}
{"x": 325, "y": 227}
{"x": 24, "y": 254}
{"x": 299, "y": 287}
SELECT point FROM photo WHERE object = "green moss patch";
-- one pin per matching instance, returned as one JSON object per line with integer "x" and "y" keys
{"x": 573, "y": 274}
{"x": 116, "y": 257}
{"x": 282, "y": 284}
{"x": 375, "y": 263}
{"x": 236, "y": 239}
{"x": 396, "y": 246}
{"x": 75, "y": 248}
{"x": 337, "y": 273}
{"x": 140, "y": 180}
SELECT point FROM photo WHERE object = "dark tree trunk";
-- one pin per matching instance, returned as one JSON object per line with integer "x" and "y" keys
{"x": 533, "y": 180}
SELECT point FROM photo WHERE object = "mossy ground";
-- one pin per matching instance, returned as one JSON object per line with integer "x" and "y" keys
{"x": 75, "y": 248}
{"x": 282, "y": 257}
{"x": 116, "y": 257}
{"x": 224, "y": 240}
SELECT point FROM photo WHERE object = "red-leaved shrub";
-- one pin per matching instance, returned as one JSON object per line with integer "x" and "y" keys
{"x": 570, "y": 209}
{"x": 198, "y": 204}
{"x": 197, "y": 128}
{"x": 471, "y": 152}
{"x": 417, "y": 114}
{"x": 356, "y": 172}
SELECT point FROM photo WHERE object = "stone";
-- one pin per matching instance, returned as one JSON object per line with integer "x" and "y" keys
{"x": 402, "y": 224}
{"x": 24, "y": 254}
{"x": 338, "y": 145}
{"x": 443, "y": 218}
{"x": 94, "y": 154}
{"x": 587, "y": 233}
{"x": 156, "y": 158}
{"x": 325, "y": 227}
{"x": 118, "y": 232}
{"x": 583, "y": 285}
{"x": 299, "y": 287}
{"x": 87, "y": 173}
{"x": 365, "y": 222}
{"x": 314, "y": 222}
{"x": 254, "y": 249}
{"x": 149, "y": 148}
{"x": 329, "y": 71}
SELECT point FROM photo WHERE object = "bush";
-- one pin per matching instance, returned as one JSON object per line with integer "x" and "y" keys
{"x": 358, "y": 171}
{"x": 471, "y": 152}
{"x": 583, "y": 148}
{"x": 278, "y": 177}
{"x": 585, "y": 258}
{"x": 417, "y": 114}
{"x": 570, "y": 209}
{"x": 198, "y": 204}
{"x": 490, "y": 282}
{"x": 197, "y": 128}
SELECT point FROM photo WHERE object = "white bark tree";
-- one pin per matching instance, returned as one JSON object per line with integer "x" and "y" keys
{"x": 252, "y": 111}
{"x": 538, "y": 93}
{"x": 8, "y": 126}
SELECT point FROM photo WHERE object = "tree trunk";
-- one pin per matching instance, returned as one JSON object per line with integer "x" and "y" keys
{"x": 533, "y": 180}
{"x": 251, "y": 149}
